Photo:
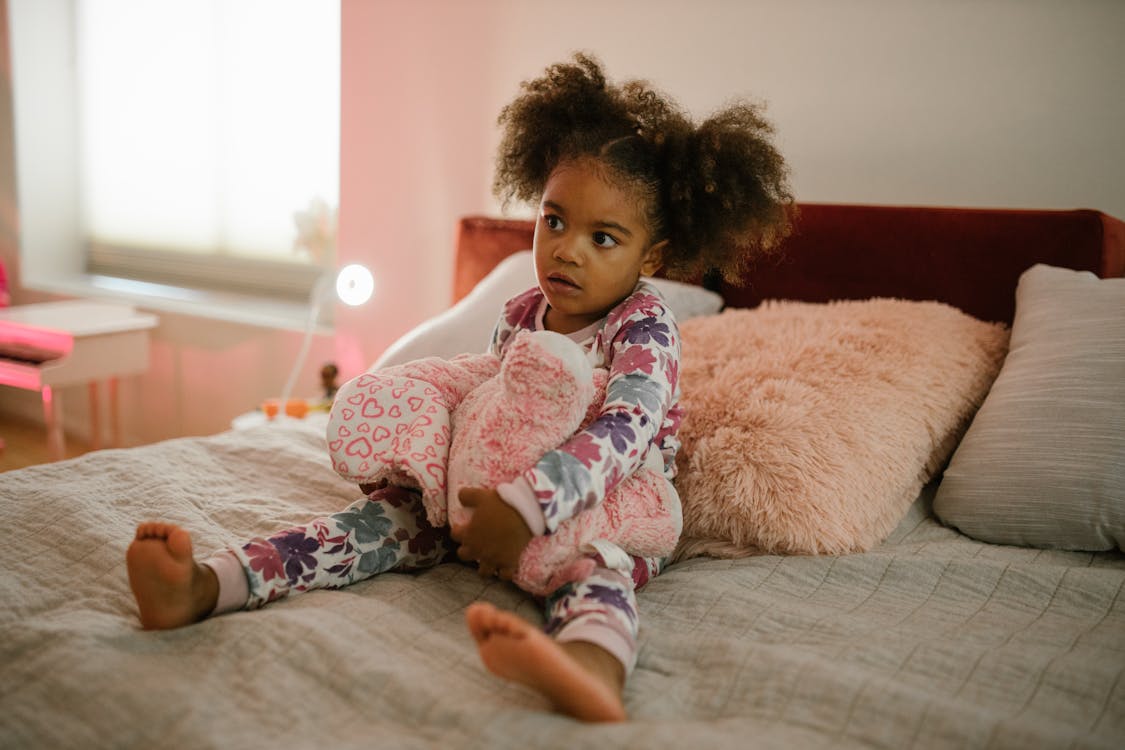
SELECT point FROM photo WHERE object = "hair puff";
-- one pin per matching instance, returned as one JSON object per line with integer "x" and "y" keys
{"x": 717, "y": 192}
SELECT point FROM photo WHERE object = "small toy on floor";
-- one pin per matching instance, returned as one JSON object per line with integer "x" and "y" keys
{"x": 299, "y": 408}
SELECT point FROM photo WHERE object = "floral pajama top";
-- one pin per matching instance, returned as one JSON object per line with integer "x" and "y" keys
{"x": 639, "y": 344}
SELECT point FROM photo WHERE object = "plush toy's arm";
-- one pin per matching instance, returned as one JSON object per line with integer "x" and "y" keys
{"x": 394, "y": 424}
{"x": 454, "y": 378}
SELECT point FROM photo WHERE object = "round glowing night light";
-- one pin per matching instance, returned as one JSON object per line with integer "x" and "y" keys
{"x": 354, "y": 284}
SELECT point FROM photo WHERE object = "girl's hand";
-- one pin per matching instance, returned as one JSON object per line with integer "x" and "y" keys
{"x": 496, "y": 534}
{"x": 367, "y": 489}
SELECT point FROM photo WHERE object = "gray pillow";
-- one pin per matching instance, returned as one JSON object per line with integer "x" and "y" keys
{"x": 1043, "y": 463}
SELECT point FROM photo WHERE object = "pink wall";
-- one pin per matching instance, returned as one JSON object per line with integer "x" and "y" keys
{"x": 9, "y": 215}
{"x": 404, "y": 178}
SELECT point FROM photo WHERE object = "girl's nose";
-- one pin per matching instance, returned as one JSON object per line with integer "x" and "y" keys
{"x": 565, "y": 251}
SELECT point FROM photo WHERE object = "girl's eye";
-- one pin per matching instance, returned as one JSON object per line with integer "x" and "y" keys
{"x": 601, "y": 239}
{"x": 553, "y": 222}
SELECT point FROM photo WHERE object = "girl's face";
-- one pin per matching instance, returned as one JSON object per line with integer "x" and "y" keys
{"x": 591, "y": 245}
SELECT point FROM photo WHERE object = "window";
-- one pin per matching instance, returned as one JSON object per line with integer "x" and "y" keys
{"x": 205, "y": 138}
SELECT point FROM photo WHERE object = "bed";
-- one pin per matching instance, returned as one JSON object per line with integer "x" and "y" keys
{"x": 919, "y": 636}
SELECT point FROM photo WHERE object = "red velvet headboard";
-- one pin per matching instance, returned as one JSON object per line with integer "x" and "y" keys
{"x": 969, "y": 258}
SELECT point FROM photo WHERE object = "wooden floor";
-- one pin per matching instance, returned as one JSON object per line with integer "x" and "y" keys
{"x": 25, "y": 444}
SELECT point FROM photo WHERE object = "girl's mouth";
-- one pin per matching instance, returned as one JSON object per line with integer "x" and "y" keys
{"x": 562, "y": 282}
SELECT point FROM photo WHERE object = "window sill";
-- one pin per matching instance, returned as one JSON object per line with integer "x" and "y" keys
{"x": 228, "y": 307}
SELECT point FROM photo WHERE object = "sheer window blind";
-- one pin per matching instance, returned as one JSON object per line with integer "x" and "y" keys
{"x": 209, "y": 140}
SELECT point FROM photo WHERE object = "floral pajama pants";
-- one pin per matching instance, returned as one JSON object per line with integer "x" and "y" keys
{"x": 388, "y": 530}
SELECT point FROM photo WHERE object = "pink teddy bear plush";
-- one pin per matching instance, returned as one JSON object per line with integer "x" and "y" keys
{"x": 439, "y": 426}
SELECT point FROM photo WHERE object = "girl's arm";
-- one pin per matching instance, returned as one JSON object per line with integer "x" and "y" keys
{"x": 643, "y": 388}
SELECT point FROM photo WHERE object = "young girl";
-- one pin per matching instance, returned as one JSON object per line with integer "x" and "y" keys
{"x": 626, "y": 185}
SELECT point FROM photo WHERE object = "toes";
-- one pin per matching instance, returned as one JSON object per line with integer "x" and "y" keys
{"x": 179, "y": 543}
{"x": 178, "y": 540}
{"x": 154, "y": 530}
{"x": 147, "y": 530}
{"x": 477, "y": 617}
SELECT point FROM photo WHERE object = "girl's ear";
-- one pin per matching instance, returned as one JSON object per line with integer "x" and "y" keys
{"x": 654, "y": 258}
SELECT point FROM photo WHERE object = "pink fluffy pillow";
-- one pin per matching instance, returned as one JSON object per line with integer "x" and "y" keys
{"x": 811, "y": 428}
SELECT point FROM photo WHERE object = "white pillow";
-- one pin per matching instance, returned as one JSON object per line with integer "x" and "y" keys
{"x": 687, "y": 301}
{"x": 467, "y": 326}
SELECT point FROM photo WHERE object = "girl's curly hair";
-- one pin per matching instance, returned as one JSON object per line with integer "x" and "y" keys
{"x": 717, "y": 191}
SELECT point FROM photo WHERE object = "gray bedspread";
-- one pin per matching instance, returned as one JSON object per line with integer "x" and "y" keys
{"x": 933, "y": 640}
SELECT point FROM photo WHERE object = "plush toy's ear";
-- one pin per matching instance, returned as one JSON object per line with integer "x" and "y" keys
{"x": 552, "y": 349}
{"x": 570, "y": 354}
{"x": 543, "y": 367}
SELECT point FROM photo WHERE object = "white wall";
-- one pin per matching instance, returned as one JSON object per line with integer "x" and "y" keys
{"x": 1004, "y": 103}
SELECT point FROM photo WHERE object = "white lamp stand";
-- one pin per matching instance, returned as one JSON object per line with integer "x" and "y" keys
{"x": 354, "y": 285}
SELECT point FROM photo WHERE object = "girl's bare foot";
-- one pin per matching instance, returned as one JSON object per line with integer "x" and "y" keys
{"x": 579, "y": 679}
{"x": 170, "y": 587}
